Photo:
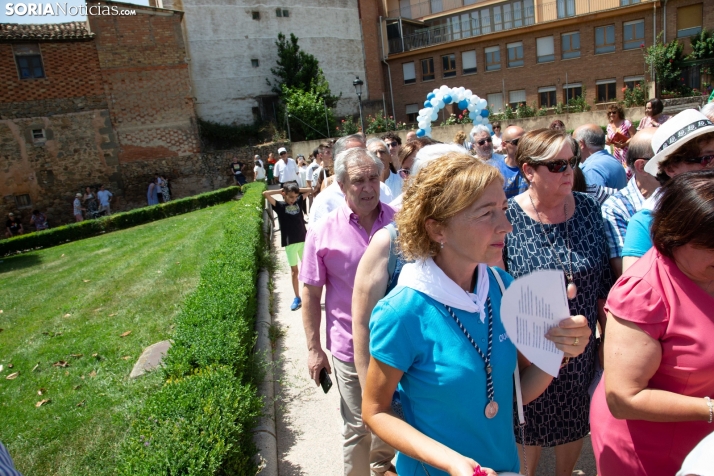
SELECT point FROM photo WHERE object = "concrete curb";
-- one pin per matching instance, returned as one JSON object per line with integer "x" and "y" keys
{"x": 265, "y": 434}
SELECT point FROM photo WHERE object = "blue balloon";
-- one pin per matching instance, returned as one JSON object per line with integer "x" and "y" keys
{"x": 473, "y": 115}
{"x": 427, "y": 103}
{"x": 447, "y": 99}
{"x": 484, "y": 112}
{"x": 420, "y": 133}
{"x": 463, "y": 104}
{"x": 430, "y": 96}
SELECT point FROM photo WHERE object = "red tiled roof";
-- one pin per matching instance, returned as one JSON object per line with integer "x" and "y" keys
{"x": 45, "y": 32}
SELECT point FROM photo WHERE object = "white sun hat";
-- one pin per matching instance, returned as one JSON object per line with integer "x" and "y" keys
{"x": 673, "y": 134}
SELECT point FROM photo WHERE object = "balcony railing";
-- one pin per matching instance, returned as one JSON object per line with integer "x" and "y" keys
{"x": 417, "y": 10}
{"x": 476, "y": 26}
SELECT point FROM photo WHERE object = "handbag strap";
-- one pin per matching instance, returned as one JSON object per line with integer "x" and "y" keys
{"x": 516, "y": 374}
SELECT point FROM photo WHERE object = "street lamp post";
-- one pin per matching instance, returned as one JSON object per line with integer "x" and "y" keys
{"x": 357, "y": 83}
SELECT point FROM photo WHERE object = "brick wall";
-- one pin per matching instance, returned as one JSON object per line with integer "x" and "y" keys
{"x": 143, "y": 64}
{"x": 671, "y": 20}
{"x": 71, "y": 70}
{"x": 369, "y": 11}
{"x": 586, "y": 70}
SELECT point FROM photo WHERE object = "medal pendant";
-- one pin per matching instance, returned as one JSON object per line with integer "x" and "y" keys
{"x": 572, "y": 290}
{"x": 491, "y": 410}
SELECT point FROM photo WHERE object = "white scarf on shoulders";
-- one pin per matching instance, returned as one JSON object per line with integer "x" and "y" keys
{"x": 426, "y": 277}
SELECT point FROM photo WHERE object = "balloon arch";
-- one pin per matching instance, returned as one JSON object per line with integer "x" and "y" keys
{"x": 464, "y": 98}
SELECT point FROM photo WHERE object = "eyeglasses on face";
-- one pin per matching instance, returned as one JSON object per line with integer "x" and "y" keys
{"x": 404, "y": 173}
{"x": 381, "y": 151}
{"x": 392, "y": 144}
{"x": 558, "y": 166}
{"x": 704, "y": 161}
{"x": 513, "y": 142}
{"x": 483, "y": 141}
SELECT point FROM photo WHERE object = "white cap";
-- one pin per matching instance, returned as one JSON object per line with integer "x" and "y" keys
{"x": 281, "y": 150}
{"x": 673, "y": 134}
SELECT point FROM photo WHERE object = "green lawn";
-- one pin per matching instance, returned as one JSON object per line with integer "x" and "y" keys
{"x": 71, "y": 303}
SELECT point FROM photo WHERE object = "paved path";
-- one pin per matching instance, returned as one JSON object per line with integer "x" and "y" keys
{"x": 309, "y": 422}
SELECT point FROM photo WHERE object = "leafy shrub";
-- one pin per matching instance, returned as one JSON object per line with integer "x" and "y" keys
{"x": 347, "y": 127}
{"x": 636, "y": 96}
{"x": 118, "y": 221}
{"x": 198, "y": 425}
{"x": 200, "y": 422}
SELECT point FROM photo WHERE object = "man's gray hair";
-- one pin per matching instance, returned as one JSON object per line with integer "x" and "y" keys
{"x": 431, "y": 152}
{"x": 354, "y": 156}
{"x": 708, "y": 110}
{"x": 376, "y": 140}
{"x": 478, "y": 130}
{"x": 593, "y": 137}
{"x": 257, "y": 157}
{"x": 342, "y": 142}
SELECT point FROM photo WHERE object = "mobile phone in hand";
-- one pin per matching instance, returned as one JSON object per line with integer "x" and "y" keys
{"x": 325, "y": 380}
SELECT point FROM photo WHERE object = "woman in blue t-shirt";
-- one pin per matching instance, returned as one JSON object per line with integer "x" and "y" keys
{"x": 439, "y": 333}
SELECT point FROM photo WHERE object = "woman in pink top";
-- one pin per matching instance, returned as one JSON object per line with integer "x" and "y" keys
{"x": 653, "y": 406}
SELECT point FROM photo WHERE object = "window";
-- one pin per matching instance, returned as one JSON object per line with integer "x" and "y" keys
{"x": 254, "y": 63}
{"x": 570, "y": 45}
{"x": 493, "y": 58}
{"x": 515, "y": 54}
{"x": 606, "y": 91}
{"x": 566, "y": 8}
{"x": 497, "y": 19}
{"x": 604, "y": 39}
{"x": 632, "y": 81}
{"x": 547, "y": 96}
{"x": 38, "y": 134}
{"x": 486, "y": 20}
{"x": 427, "y": 69}
{"x": 448, "y": 64}
{"x": 495, "y": 100}
{"x": 689, "y": 20}
{"x": 278, "y": 12}
{"x": 412, "y": 112}
{"x": 572, "y": 91}
{"x": 465, "y": 25}
{"x": 29, "y": 61}
{"x": 507, "y": 16}
{"x": 545, "y": 49}
{"x": 409, "y": 73}
{"x": 624, "y": 3}
{"x": 23, "y": 201}
{"x": 475, "y": 23}
{"x": 256, "y": 15}
{"x": 516, "y": 97}
{"x": 468, "y": 61}
{"x": 633, "y": 33}
{"x": 286, "y": 13}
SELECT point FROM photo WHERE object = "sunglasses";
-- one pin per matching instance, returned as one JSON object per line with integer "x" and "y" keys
{"x": 704, "y": 161}
{"x": 513, "y": 142}
{"x": 404, "y": 173}
{"x": 559, "y": 166}
{"x": 392, "y": 144}
{"x": 483, "y": 141}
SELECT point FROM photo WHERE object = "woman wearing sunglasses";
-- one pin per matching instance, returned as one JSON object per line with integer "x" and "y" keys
{"x": 685, "y": 143}
{"x": 556, "y": 228}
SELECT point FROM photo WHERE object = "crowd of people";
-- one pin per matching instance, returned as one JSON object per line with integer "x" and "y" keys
{"x": 412, "y": 245}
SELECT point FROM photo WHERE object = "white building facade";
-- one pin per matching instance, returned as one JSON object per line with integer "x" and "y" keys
{"x": 231, "y": 46}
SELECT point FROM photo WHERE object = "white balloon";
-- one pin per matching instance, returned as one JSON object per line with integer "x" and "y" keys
{"x": 468, "y": 93}
{"x": 444, "y": 88}
{"x": 471, "y": 107}
{"x": 425, "y": 112}
{"x": 440, "y": 104}
{"x": 482, "y": 103}
{"x": 435, "y": 91}
{"x": 434, "y": 116}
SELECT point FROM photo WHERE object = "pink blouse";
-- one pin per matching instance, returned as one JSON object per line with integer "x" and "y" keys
{"x": 670, "y": 308}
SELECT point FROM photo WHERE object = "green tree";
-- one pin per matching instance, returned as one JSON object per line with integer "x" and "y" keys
{"x": 665, "y": 64}
{"x": 297, "y": 69}
{"x": 306, "y": 113}
{"x": 703, "y": 49}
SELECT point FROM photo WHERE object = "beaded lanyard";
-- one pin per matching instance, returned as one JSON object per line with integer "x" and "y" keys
{"x": 492, "y": 407}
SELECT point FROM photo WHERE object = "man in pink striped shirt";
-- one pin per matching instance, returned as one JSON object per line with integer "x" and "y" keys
{"x": 333, "y": 248}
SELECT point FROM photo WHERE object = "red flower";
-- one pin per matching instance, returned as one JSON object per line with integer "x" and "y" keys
{"x": 624, "y": 89}
{"x": 642, "y": 45}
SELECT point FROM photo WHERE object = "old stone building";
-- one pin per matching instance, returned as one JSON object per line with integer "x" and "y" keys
{"x": 103, "y": 101}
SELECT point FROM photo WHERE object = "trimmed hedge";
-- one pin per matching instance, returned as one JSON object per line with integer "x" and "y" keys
{"x": 200, "y": 422}
{"x": 119, "y": 221}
